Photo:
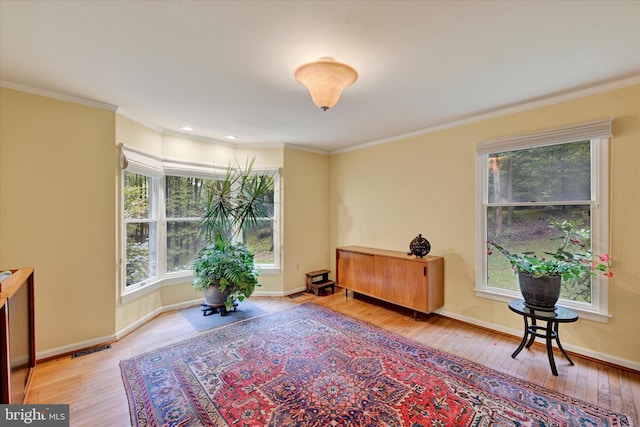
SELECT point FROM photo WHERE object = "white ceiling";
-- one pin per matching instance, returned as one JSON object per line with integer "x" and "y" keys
{"x": 226, "y": 67}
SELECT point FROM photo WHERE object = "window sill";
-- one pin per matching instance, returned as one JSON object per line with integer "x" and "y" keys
{"x": 171, "y": 279}
{"x": 507, "y": 296}
{"x": 176, "y": 278}
{"x": 131, "y": 294}
{"x": 268, "y": 270}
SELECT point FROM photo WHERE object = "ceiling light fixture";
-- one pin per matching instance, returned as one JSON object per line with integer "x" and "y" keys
{"x": 231, "y": 137}
{"x": 187, "y": 128}
{"x": 325, "y": 79}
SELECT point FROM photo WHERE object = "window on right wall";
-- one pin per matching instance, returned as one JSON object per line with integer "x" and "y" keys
{"x": 526, "y": 181}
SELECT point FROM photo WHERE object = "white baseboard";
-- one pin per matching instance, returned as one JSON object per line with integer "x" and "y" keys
{"x": 132, "y": 327}
{"x": 279, "y": 293}
{"x": 630, "y": 364}
{"x": 135, "y": 325}
{"x": 182, "y": 305}
{"x": 66, "y": 349}
{"x": 80, "y": 345}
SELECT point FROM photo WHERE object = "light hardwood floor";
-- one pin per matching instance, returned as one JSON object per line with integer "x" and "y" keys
{"x": 93, "y": 387}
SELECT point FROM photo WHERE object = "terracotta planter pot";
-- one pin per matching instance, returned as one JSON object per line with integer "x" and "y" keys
{"x": 540, "y": 293}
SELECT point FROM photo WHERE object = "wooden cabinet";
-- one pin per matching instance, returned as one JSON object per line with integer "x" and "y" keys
{"x": 392, "y": 276}
{"x": 17, "y": 335}
{"x": 355, "y": 270}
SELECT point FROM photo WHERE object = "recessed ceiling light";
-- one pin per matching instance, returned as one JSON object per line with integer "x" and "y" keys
{"x": 231, "y": 137}
{"x": 187, "y": 128}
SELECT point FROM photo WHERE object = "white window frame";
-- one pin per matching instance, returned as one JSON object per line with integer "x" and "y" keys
{"x": 273, "y": 268}
{"x": 136, "y": 161}
{"x": 598, "y": 133}
{"x": 150, "y": 167}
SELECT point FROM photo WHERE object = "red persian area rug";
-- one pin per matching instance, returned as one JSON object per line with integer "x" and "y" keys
{"x": 311, "y": 366}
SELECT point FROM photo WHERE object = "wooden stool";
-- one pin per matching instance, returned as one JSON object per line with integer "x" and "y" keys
{"x": 319, "y": 280}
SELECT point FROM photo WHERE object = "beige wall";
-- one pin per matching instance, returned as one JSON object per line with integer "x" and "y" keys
{"x": 305, "y": 216}
{"x": 57, "y": 178}
{"x": 380, "y": 196}
{"x": 60, "y": 198}
{"x": 383, "y": 196}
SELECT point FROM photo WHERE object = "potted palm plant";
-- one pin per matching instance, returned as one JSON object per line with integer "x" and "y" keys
{"x": 540, "y": 278}
{"x": 224, "y": 269}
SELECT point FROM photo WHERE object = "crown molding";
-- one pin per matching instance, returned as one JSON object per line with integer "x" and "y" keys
{"x": 194, "y": 137}
{"x": 121, "y": 111}
{"x": 539, "y": 103}
{"x": 581, "y": 93}
{"x": 307, "y": 149}
{"x": 198, "y": 138}
{"x": 59, "y": 96}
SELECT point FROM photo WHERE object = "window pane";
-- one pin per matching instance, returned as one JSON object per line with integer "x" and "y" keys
{"x": 183, "y": 200}
{"x": 544, "y": 174}
{"x": 527, "y": 228}
{"x": 141, "y": 256}
{"x": 182, "y": 244}
{"x": 266, "y": 203}
{"x": 183, "y": 196}
{"x": 136, "y": 195}
{"x": 259, "y": 240}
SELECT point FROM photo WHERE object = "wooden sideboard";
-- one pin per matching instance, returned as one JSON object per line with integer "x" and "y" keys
{"x": 392, "y": 276}
{"x": 17, "y": 336}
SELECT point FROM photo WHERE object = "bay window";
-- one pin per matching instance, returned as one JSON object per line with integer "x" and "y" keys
{"x": 161, "y": 215}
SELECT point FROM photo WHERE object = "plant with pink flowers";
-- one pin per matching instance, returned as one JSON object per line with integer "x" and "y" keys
{"x": 572, "y": 260}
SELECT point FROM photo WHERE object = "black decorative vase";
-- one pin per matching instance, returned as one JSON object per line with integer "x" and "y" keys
{"x": 540, "y": 293}
{"x": 419, "y": 246}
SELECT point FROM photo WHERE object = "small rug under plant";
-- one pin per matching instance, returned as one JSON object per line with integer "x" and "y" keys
{"x": 245, "y": 310}
{"x": 311, "y": 366}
